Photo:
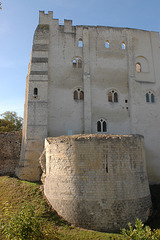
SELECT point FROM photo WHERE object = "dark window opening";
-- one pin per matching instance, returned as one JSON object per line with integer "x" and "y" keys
{"x": 115, "y": 97}
{"x": 150, "y": 97}
{"x": 147, "y": 97}
{"x": 101, "y": 126}
{"x": 106, "y": 164}
{"x": 104, "y": 127}
{"x": 98, "y": 126}
{"x": 35, "y": 92}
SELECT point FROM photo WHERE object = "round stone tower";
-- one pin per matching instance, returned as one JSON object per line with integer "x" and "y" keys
{"x": 97, "y": 181}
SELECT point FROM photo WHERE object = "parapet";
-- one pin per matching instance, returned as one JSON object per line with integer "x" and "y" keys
{"x": 47, "y": 19}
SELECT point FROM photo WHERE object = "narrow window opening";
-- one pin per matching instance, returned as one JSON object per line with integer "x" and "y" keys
{"x": 74, "y": 63}
{"x": 98, "y": 126}
{"x": 104, "y": 127}
{"x": 152, "y": 98}
{"x": 138, "y": 67}
{"x": 126, "y": 101}
{"x": 80, "y": 43}
{"x": 81, "y": 95}
{"x": 109, "y": 97}
{"x": 115, "y": 97}
{"x": 106, "y": 163}
{"x": 123, "y": 46}
{"x": 35, "y": 92}
{"x": 76, "y": 95}
{"x": 147, "y": 97}
{"x": 79, "y": 63}
{"x": 107, "y": 44}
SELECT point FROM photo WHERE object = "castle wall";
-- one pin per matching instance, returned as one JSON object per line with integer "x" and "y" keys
{"x": 144, "y": 114}
{"x": 10, "y": 145}
{"x": 97, "y": 181}
{"x": 104, "y": 63}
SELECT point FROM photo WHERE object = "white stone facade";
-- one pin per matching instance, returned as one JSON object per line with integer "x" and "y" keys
{"x": 91, "y": 79}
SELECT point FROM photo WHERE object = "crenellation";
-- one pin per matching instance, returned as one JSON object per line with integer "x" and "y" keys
{"x": 67, "y": 26}
{"x": 45, "y": 18}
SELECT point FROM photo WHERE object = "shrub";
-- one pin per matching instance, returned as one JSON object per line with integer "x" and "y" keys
{"x": 25, "y": 225}
{"x": 140, "y": 232}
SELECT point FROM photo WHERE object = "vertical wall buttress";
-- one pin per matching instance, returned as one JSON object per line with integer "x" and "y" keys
{"x": 86, "y": 82}
{"x": 36, "y": 107}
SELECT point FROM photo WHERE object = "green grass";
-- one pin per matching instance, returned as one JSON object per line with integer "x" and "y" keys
{"x": 14, "y": 194}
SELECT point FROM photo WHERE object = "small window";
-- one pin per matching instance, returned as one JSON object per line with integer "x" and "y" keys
{"x": 147, "y": 97}
{"x": 107, "y": 44}
{"x": 109, "y": 97}
{"x": 113, "y": 96}
{"x": 80, "y": 43}
{"x": 150, "y": 98}
{"x": 123, "y": 46}
{"x": 138, "y": 67}
{"x": 77, "y": 62}
{"x": 78, "y": 94}
{"x": 101, "y": 126}
{"x": 35, "y": 92}
{"x": 74, "y": 63}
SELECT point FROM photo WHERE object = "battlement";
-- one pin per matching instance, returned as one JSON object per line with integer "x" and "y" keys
{"x": 47, "y": 18}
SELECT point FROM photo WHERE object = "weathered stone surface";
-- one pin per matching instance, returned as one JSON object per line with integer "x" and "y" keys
{"x": 101, "y": 61}
{"x": 97, "y": 181}
{"x": 10, "y": 146}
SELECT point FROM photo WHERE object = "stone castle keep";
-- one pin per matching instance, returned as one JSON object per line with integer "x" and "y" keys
{"x": 95, "y": 80}
{"x": 91, "y": 79}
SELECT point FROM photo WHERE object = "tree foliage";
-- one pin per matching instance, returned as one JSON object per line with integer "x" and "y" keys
{"x": 0, "y": 5}
{"x": 10, "y": 121}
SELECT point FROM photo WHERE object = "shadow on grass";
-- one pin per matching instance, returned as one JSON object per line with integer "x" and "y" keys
{"x": 52, "y": 216}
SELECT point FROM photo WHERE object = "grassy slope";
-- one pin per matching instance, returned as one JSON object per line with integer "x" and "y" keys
{"x": 15, "y": 193}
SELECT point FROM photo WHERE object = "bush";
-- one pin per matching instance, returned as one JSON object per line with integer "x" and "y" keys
{"x": 25, "y": 225}
{"x": 140, "y": 232}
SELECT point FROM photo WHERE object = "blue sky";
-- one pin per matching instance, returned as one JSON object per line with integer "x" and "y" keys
{"x": 19, "y": 18}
